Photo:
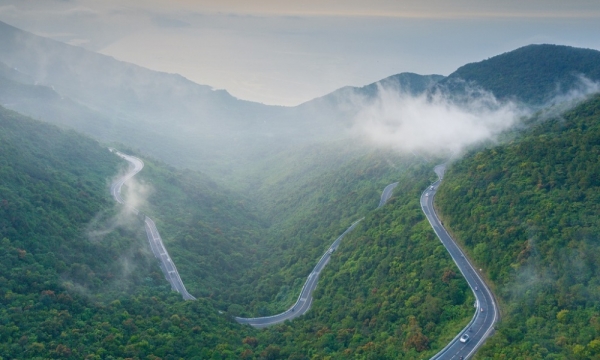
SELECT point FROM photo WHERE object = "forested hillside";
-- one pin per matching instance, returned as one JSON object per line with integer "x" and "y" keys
{"x": 528, "y": 213}
{"x": 533, "y": 74}
{"x": 77, "y": 283}
{"x": 78, "y": 280}
{"x": 308, "y": 210}
{"x": 53, "y": 184}
{"x": 391, "y": 291}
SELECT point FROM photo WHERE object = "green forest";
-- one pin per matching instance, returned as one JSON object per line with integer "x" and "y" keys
{"x": 78, "y": 279}
{"x": 528, "y": 213}
{"x": 77, "y": 282}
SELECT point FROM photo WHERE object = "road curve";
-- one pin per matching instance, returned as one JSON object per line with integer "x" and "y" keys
{"x": 304, "y": 301}
{"x": 156, "y": 244}
{"x": 387, "y": 194}
{"x": 305, "y": 298}
{"x": 486, "y": 313}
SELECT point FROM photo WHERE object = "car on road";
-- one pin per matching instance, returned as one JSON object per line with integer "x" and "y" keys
{"x": 431, "y": 187}
{"x": 464, "y": 338}
{"x": 427, "y": 194}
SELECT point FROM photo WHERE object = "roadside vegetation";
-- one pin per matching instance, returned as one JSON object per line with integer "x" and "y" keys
{"x": 527, "y": 212}
{"x": 77, "y": 283}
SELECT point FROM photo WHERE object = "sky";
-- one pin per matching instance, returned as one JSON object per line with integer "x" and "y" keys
{"x": 284, "y": 52}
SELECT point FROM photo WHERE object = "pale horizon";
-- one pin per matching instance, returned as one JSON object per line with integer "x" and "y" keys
{"x": 286, "y": 53}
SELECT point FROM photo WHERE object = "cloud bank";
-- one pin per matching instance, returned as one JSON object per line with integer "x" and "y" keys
{"x": 433, "y": 123}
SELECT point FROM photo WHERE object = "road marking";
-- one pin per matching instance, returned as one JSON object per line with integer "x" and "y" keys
{"x": 151, "y": 232}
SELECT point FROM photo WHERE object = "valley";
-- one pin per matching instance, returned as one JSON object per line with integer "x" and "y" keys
{"x": 249, "y": 197}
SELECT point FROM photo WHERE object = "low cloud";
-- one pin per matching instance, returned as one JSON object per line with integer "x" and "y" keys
{"x": 564, "y": 100}
{"x": 135, "y": 194}
{"x": 101, "y": 229}
{"x": 434, "y": 123}
{"x": 439, "y": 124}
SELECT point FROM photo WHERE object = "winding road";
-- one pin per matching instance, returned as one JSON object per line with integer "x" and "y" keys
{"x": 156, "y": 244}
{"x": 304, "y": 301}
{"x": 481, "y": 325}
{"x": 478, "y": 330}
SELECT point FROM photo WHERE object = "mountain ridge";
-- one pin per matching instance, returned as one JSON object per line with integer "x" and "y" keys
{"x": 532, "y": 74}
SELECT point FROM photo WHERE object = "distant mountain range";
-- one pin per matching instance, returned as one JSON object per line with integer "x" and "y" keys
{"x": 192, "y": 125}
{"x": 280, "y": 184}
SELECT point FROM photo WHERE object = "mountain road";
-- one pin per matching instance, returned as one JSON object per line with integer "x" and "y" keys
{"x": 156, "y": 243}
{"x": 486, "y": 314}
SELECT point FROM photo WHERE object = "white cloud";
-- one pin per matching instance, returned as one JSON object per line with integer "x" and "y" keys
{"x": 433, "y": 124}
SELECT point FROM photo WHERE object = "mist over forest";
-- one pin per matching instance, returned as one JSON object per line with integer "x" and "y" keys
{"x": 248, "y": 197}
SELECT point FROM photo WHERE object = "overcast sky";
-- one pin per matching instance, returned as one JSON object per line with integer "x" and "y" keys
{"x": 287, "y": 52}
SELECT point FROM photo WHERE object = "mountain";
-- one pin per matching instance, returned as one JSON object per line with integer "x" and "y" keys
{"x": 73, "y": 265}
{"x": 527, "y": 213}
{"x": 166, "y": 115}
{"x": 283, "y": 183}
{"x": 339, "y": 108}
{"x": 533, "y": 74}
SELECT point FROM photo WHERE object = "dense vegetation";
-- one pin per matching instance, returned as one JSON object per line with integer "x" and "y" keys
{"x": 77, "y": 278}
{"x": 53, "y": 183}
{"x": 204, "y": 227}
{"x": 76, "y": 283}
{"x": 391, "y": 291}
{"x": 528, "y": 213}
{"x": 532, "y": 74}
{"x": 73, "y": 282}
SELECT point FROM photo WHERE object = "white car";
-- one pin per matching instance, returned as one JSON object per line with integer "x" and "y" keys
{"x": 464, "y": 338}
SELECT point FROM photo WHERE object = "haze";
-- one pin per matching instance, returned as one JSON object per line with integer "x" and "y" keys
{"x": 288, "y": 52}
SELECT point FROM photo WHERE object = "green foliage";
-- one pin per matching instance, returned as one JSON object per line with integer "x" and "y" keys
{"x": 75, "y": 284}
{"x": 53, "y": 184}
{"x": 310, "y": 198}
{"x": 211, "y": 234}
{"x": 528, "y": 214}
{"x": 384, "y": 295}
{"x": 532, "y": 74}
{"x": 60, "y": 268}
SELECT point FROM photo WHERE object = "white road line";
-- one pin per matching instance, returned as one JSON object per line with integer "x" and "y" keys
{"x": 154, "y": 239}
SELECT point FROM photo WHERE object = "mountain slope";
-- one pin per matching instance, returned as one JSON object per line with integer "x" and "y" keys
{"x": 339, "y": 108}
{"x": 77, "y": 279}
{"x": 60, "y": 264}
{"x": 165, "y": 115}
{"x": 174, "y": 119}
{"x": 532, "y": 74}
{"x": 528, "y": 212}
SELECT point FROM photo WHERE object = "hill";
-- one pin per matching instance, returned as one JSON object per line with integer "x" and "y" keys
{"x": 527, "y": 212}
{"x": 288, "y": 182}
{"x": 76, "y": 285}
{"x": 74, "y": 265}
{"x": 166, "y": 115}
{"x": 533, "y": 74}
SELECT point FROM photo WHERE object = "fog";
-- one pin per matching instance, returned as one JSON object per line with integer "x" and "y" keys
{"x": 437, "y": 123}
{"x": 285, "y": 53}
{"x": 434, "y": 123}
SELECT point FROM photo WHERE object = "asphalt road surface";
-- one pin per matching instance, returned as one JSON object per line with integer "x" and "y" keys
{"x": 478, "y": 330}
{"x": 156, "y": 244}
{"x": 486, "y": 310}
{"x": 387, "y": 194}
{"x": 304, "y": 301}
